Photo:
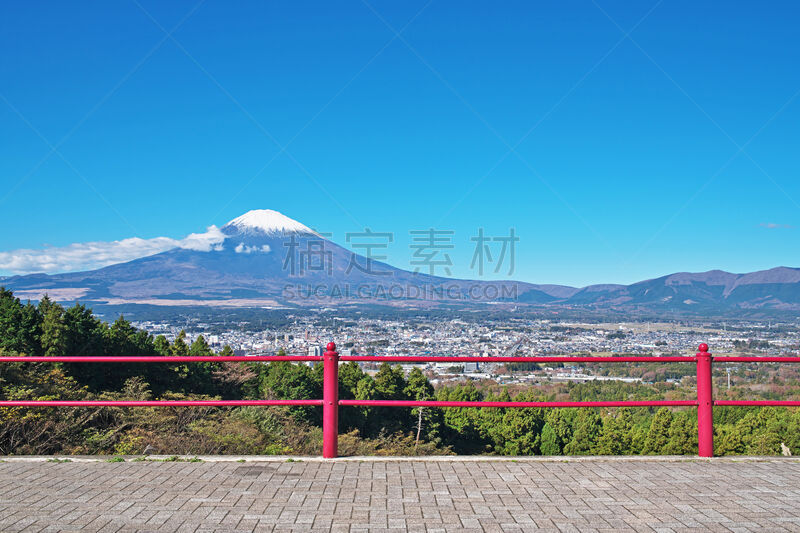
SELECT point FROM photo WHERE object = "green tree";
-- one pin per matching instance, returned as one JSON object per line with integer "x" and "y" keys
{"x": 727, "y": 440}
{"x": 520, "y": 429}
{"x": 31, "y": 330}
{"x": 367, "y": 422}
{"x": 549, "y": 445}
{"x": 638, "y": 436}
{"x": 428, "y": 421}
{"x": 682, "y": 434}
{"x": 561, "y": 420}
{"x": 290, "y": 381}
{"x": 20, "y": 325}
{"x": 11, "y": 336}
{"x": 54, "y": 328}
{"x": 349, "y": 376}
{"x": 793, "y": 433}
{"x": 417, "y": 386}
{"x": 179, "y": 346}
{"x": 588, "y": 426}
{"x": 658, "y": 436}
{"x": 162, "y": 346}
{"x": 616, "y": 435}
{"x": 83, "y": 333}
{"x": 390, "y": 382}
{"x": 200, "y": 348}
{"x": 463, "y": 425}
{"x": 766, "y": 429}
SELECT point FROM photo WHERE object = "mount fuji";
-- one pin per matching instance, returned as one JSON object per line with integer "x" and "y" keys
{"x": 266, "y": 259}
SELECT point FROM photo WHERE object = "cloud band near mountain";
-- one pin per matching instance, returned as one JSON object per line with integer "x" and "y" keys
{"x": 91, "y": 255}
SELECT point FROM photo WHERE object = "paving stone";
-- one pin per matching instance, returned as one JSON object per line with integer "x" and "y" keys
{"x": 402, "y": 495}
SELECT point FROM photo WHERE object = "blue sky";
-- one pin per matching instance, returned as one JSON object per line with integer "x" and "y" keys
{"x": 621, "y": 140}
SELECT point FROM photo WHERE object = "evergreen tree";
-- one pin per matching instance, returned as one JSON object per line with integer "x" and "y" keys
{"x": 179, "y": 346}
{"x": 365, "y": 390}
{"x": 200, "y": 348}
{"x": 682, "y": 434}
{"x": 286, "y": 380}
{"x": 11, "y": 336}
{"x": 658, "y": 436}
{"x": 349, "y": 376}
{"x": 54, "y": 328}
{"x": 120, "y": 338}
{"x": 588, "y": 426}
{"x": 561, "y": 420}
{"x": 463, "y": 425}
{"x": 793, "y": 433}
{"x": 616, "y": 435}
{"x": 549, "y": 445}
{"x": 727, "y": 440}
{"x": 390, "y": 382}
{"x": 30, "y": 330}
{"x": 161, "y": 345}
{"x": 766, "y": 433}
{"x": 521, "y": 428}
{"x": 489, "y": 421}
{"x": 417, "y": 386}
{"x": 83, "y": 332}
{"x": 428, "y": 421}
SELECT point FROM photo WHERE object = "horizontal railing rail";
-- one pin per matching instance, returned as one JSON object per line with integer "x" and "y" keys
{"x": 398, "y": 359}
{"x": 160, "y": 359}
{"x": 774, "y": 403}
{"x": 153, "y": 403}
{"x": 445, "y": 403}
{"x": 764, "y": 359}
{"x": 330, "y": 401}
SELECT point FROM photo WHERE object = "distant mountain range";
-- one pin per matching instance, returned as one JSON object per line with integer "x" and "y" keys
{"x": 265, "y": 259}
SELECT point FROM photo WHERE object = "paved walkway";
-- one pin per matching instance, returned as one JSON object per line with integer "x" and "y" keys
{"x": 414, "y": 495}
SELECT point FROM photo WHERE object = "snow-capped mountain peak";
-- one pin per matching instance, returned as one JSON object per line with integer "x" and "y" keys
{"x": 265, "y": 221}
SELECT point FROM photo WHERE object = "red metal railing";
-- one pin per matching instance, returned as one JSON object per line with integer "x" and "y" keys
{"x": 330, "y": 401}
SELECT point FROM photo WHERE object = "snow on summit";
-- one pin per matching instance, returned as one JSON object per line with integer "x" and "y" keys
{"x": 266, "y": 221}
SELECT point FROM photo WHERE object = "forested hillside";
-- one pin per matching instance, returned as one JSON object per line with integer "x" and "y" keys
{"x": 48, "y": 329}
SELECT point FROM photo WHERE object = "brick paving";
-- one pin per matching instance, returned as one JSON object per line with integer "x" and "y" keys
{"x": 402, "y": 495}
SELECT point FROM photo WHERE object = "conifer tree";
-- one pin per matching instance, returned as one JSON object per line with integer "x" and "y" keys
{"x": 587, "y": 430}
{"x": 199, "y": 348}
{"x": 161, "y": 345}
{"x": 549, "y": 445}
{"x": 682, "y": 435}
{"x": 179, "y": 346}
{"x": 658, "y": 435}
{"x": 54, "y": 329}
{"x": 226, "y": 351}
{"x": 616, "y": 436}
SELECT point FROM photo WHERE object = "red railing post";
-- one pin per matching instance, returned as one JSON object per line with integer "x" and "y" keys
{"x": 705, "y": 407}
{"x": 330, "y": 403}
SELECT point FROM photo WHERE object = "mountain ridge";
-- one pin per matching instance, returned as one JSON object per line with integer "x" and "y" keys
{"x": 269, "y": 259}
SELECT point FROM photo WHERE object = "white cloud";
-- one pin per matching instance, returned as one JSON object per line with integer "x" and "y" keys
{"x": 209, "y": 241}
{"x": 242, "y": 249}
{"x": 90, "y": 255}
{"x": 772, "y": 225}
